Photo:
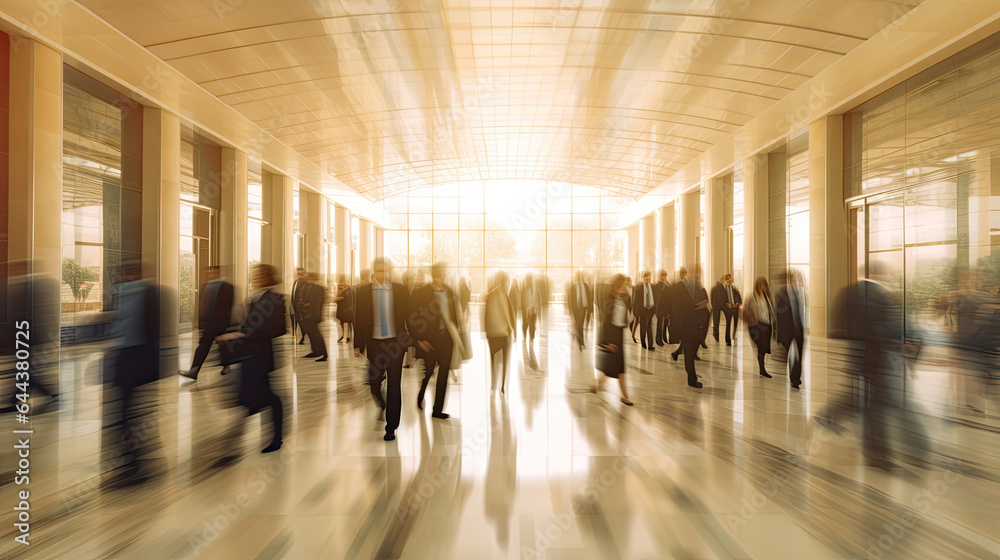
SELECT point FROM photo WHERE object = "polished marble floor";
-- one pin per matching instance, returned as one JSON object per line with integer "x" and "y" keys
{"x": 549, "y": 470}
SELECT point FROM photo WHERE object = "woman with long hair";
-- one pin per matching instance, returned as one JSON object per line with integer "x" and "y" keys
{"x": 761, "y": 309}
{"x": 345, "y": 308}
{"x": 611, "y": 351}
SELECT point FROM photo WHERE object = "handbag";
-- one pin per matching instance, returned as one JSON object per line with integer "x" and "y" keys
{"x": 233, "y": 351}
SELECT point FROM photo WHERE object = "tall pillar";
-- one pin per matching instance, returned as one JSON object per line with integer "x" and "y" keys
{"x": 233, "y": 222}
{"x": 161, "y": 184}
{"x": 668, "y": 241}
{"x": 648, "y": 244}
{"x": 716, "y": 232}
{"x": 632, "y": 258}
{"x": 35, "y": 174}
{"x": 829, "y": 231}
{"x": 281, "y": 228}
{"x": 379, "y": 242}
{"x": 365, "y": 243}
{"x": 311, "y": 208}
{"x": 690, "y": 216}
{"x": 755, "y": 219}
{"x": 343, "y": 241}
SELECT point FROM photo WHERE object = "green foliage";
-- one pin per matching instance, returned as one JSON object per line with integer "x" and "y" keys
{"x": 79, "y": 278}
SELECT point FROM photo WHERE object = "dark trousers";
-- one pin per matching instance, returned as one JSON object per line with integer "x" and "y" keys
{"x": 716, "y": 314}
{"x": 316, "y": 341}
{"x": 646, "y": 327}
{"x": 662, "y": 336}
{"x": 689, "y": 346}
{"x": 795, "y": 366}
{"x": 498, "y": 344}
{"x": 440, "y": 356}
{"x": 385, "y": 358}
{"x": 732, "y": 320}
{"x": 528, "y": 323}
{"x": 578, "y": 327}
{"x": 201, "y": 352}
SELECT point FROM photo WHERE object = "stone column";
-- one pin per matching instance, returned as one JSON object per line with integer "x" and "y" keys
{"x": 829, "y": 230}
{"x": 161, "y": 183}
{"x": 35, "y": 199}
{"x": 632, "y": 258}
{"x": 342, "y": 232}
{"x": 716, "y": 232}
{"x": 690, "y": 217}
{"x": 648, "y": 244}
{"x": 311, "y": 222}
{"x": 668, "y": 240}
{"x": 233, "y": 223}
{"x": 755, "y": 216}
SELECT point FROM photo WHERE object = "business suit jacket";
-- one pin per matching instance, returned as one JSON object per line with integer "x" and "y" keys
{"x": 297, "y": 297}
{"x": 691, "y": 321}
{"x": 216, "y": 306}
{"x": 573, "y": 301}
{"x": 364, "y": 319}
{"x": 425, "y": 319}
{"x": 313, "y": 299}
{"x": 639, "y": 296}
{"x": 265, "y": 321}
{"x": 664, "y": 298}
{"x": 718, "y": 297}
{"x": 785, "y": 328}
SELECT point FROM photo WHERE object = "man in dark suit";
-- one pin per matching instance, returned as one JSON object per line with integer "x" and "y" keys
{"x": 313, "y": 299}
{"x": 789, "y": 306}
{"x": 588, "y": 312}
{"x": 718, "y": 303}
{"x": 644, "y": 307}
{"x": 664, "y": 301}
{"x": 380, "y": 332}
{"x": 431, "y": 306}
{"x": 578, "y": 298}
{"x": 214, "y": 315}
{"x": 296, "y": 295}
{"x": 691, "y": 311}
{"x": 731, "y": 308}
{"x": 33, "y": 311}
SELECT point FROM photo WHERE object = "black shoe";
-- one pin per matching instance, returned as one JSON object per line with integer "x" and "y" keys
{"x": 348, "y": 339}
{"x": 715, "y": 336}
{"x": 765, "y": 374}
{"x": 705, "y": 346}
{"x": 674, "y": 355}
{"x": 651, "y": 349}
{"x": 303, "y": 341}
{"x": 187, "y": 374}
{"x": 796, "y": 385}
{"x": 643, "y": 345}
{"x": 389, "y": 436}
{"x": 341, "y": 339}
{"x": 634, "y": 341}
{"x": 729, "y": 344}
{"x": 441, "y": 415}
{"x": 697, "y": 358}
{"x": 311, "y": 355}
{"x": 696, "y": 385}
{"x": 275, "y": 445}
{"x": 322, "y": 359}
{"x": 420, "y": 400}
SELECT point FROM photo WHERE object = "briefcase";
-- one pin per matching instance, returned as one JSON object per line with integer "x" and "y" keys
{"x": 233, "y": 351}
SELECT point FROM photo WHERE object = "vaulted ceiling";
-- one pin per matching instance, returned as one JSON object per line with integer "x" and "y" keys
{"x": 401, "y": 94}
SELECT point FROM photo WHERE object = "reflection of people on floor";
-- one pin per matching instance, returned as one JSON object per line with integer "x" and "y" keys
{"x": 501, "y": 472}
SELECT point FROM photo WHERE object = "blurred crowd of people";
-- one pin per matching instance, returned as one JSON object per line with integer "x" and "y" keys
{"x": 398, "y": 319}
